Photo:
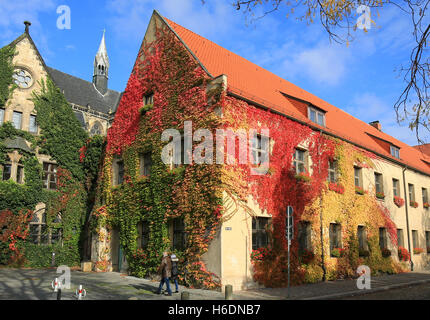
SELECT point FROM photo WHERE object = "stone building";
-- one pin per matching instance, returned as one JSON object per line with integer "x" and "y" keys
{"x": 399, "y": 171}
{"x": 92, "y": 102}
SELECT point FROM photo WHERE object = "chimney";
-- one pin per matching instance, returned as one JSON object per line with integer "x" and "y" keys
{"x": 27, "y": 26}
{"x": 376, "y": 124}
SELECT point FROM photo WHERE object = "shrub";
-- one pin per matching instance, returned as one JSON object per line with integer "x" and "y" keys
{"x": 380, "y": 195}
{"x": 336, "y": 188}
{"x": 398, "y": 201}
{"x": 359, "y": 190}
{"x": 337, "y": 252}
{"x": 403, "y": 254}
{"x": 303, "y": 177}
{"x": 307, "y": 256}
{"x": 418, "y": 250}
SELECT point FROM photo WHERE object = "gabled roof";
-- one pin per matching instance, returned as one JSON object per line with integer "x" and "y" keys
{"x": 76, "y": 90}
{"x": 84, "y": 93}
{"x": 253, "y": 83}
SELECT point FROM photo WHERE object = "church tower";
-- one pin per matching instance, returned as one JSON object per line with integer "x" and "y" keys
{"x": 101, "y": 68}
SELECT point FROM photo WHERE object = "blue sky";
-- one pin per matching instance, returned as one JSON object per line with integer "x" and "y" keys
{"x": 361, "y": 78}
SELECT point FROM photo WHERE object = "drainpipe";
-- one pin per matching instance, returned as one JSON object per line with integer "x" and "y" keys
{"x": 407, "y": 219}
{"x": 321, "y": 219}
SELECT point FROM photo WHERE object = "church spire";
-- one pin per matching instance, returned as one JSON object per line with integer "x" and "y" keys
{"x": 101, "y": 67}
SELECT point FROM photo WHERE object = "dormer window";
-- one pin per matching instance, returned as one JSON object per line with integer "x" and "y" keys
{"x": 316, "y": 115}
{"x": 395, "y": 152}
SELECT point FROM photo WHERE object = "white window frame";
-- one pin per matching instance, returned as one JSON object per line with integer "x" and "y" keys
{"x": 20, "y": 119}
{"x": 395, "y": 152}
{"x": 2, "y": 115}
{"x": 318, "y": 112}
{"x": 32, "y": 116}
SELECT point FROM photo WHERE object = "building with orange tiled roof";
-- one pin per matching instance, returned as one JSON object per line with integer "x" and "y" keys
{"x": 397, "y": 171}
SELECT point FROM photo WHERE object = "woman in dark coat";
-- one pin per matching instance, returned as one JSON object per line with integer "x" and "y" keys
{"x": 166, "y": 272}
{"x": 175, "y": 270}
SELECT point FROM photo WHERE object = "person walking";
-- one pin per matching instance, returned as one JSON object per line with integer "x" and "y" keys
{"x": 165, "y": 270}
{"x": 175, "y": 271}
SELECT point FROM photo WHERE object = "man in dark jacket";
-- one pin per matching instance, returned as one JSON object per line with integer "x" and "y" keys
{"x": 165, "y": 270}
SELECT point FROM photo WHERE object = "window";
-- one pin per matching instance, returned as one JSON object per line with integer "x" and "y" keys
{"x": 357, "y": 177}
{"x": 118, "y": 172}
{"x": 17, "y": 119}
{"x": 39, "y": 233}
{"x": 260, "y": 237}
{"x": 7, "y": 169}
{"x": 178, "y": 234}
{"x": 22, "y": 78}
{"x": 415, "y": 239}
{"x": 379, "y": 187}
{"x": 425, "y": 195}
{"x": 299, "y": 161}
{"x": 395, "y": 152}
{"x": 317, "y": 116}
{"x": 49, "y": 176}
{"x": 145, "y": 164}
{"x": 411, "y": 192}
{"x": 362, "y": 238}
{"x": 335, "y": 233}
{"x": 55, "y": 235}
{"x": 304, "y": 236}
{"x": 383, "y": 243}
{"x": 259, "y": 150}
{"x": 1, "y": 116}
{"x": 148, "y": 99}
{"x": 32, "y": 127}
{"x": 20, "y": 173}
{"x": 177, "y": 154}
{"x": 396, "y": 188}
{"x": 96, "y": 129}
{"x": 145, "y": 235}
{"x": 332, "y": 171}
{"x": 400, "y": 239}
{"x": 428, "y": 241}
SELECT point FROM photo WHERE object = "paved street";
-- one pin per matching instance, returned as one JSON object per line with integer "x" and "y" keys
{"x": 25, "y": 284}
{"x": 418, "y": 292}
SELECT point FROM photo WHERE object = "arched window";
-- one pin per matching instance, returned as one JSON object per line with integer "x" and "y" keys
{"x": 96, "y": 129}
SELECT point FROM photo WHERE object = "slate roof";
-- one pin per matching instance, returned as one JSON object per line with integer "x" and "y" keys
{"x": 80, "y": 116}
{"x": 84, "y": 93}
{"x": 261, "y": 87}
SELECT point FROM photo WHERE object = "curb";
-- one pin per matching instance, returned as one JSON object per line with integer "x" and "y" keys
{"x": 364, "y": 292}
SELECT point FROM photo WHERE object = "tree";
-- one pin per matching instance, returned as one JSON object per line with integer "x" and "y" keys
{"x": 339, "y": 19}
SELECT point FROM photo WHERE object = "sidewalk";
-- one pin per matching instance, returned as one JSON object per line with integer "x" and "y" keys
{"x": 24, "y": 284}
{"x": 336, "y": 289}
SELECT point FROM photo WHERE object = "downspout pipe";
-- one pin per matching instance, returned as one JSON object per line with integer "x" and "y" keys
{"x": 407, "y": 218}
{"x": 321, "y": 220}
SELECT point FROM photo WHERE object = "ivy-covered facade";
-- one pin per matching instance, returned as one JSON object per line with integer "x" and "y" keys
{"x": 45, "y": 188}
{"x": 226, "y": 223}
